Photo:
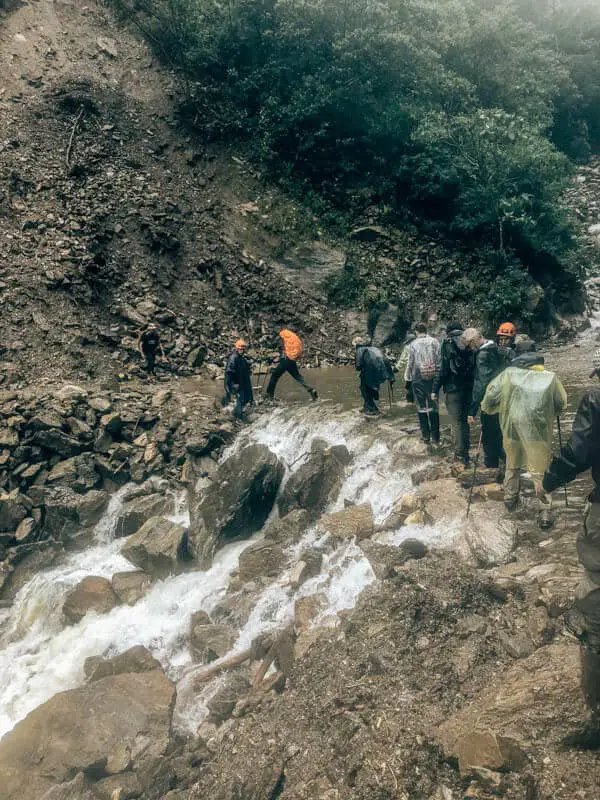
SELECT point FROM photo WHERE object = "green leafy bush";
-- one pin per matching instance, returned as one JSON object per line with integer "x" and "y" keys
{"x": 452, "y": 111}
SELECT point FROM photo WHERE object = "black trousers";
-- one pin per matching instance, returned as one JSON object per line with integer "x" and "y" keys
{"x": 150, "y": 356}
{"x": 491, "y": 440}
{"x": 370, "y": 395}
{"x": 291, "y": 367}
{"x": 429, "y": 417}
{"x": 457, "y": 406}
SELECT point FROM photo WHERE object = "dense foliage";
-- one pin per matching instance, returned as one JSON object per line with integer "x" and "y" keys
{"x": 467, "y": 114}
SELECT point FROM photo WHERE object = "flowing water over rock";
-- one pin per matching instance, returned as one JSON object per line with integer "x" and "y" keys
{"x": 41, "y": 655}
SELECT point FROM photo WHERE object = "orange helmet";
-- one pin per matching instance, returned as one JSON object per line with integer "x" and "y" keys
{"x": 240, "y": 344}
{"x": 507, "y": 329}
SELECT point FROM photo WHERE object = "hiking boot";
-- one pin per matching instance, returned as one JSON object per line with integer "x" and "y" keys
{"x": 511, "y": 505}
{"x": 314, "y": 394}
{"x": 587, "y": 736}
{"x": 546, "y": 519}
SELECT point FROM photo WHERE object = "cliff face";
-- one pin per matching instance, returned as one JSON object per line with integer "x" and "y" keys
{"x": 110, "y": 216}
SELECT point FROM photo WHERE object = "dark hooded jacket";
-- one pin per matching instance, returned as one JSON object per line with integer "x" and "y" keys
{"x": 237, "y": 372}
{"x": 456, "y": 367}
{"x": 582, "y": 451}
{"x": 489, "y": 362}
{"x": 373, "y": 366}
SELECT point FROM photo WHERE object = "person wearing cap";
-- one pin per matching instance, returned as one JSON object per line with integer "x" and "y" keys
{"x": 456, "y": 379}
{"x": 505, "y": 339}
{"x": 238, "y": 379}
{"x": 580, "y": 453}
{"x": 374, "y": 369}
{"x": 148, "y": 345}
{"x": 488, "y": 363}
{"x": 527, "y": 399}
{"x": 290, "y": 351}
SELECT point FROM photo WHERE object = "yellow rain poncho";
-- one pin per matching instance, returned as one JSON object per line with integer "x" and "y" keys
{"x": 527, "y": 400}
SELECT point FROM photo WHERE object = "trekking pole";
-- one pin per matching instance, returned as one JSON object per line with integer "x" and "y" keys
{"x": 390, "y": 394}
{"x": 475, "y": 465}
{"x": 560, "y": 445}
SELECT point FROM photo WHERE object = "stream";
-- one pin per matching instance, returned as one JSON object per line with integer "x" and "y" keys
{"x": 41, "y": 655}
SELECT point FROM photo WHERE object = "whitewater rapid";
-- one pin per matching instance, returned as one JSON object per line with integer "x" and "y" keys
{"x": 40, "y": 655}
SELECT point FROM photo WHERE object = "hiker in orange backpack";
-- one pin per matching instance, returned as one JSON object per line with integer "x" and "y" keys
{"x": 290, "y": 348}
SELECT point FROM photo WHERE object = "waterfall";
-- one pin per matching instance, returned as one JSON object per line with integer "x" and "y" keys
{"x": 41, "y": 655}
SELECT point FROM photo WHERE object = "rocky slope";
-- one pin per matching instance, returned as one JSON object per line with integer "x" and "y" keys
{"x": 454, "y": 676}
{"x": 110, "y": 215}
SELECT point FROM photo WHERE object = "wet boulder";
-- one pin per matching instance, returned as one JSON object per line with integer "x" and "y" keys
{"x": 317, "y": 482}
{"x": 264, "y": 559}
{"x": 387, "y": 560}
{"x": 223, "y": 702}
{"x": 353, "y": 521}
{"x": 289, "y": 529}
{"x": 67, "y": 512}
{"x": 238, "y": 502}
{"x": 137, "y": 659}
{"x": 160, "y": 547}
{"x": 112, "y": 725}
{"x": 491, "y": 541}
{"x": 210, "y": 641}
{"x": 308, "y": 566}
{"x": 134, "y": 513}
{"x": 130, "y": 586}
{"x": 78, "y": 473}
{"x": 90, "y": 594}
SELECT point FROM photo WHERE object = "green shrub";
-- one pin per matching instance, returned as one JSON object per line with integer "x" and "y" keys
{"x": 449, "y": 110}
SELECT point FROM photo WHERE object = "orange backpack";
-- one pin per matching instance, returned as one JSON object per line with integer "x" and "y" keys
{"x": 292, "y": 346}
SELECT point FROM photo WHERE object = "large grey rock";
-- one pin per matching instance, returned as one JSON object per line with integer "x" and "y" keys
{"x": 13, "y": 510}
{"x": 289, "y": 529}
{"x": 353, "y": 521}
{"x": 210, "y": 641}
{"x": 67, "y": 512}
{"x": 160, "y": 547}
{"x": 109, "y": 726}
{"x": 222, "y": 704}
{"x": 309, "y": 264}
{"x": 263, "y": 559}
{"x": 57, "y": 442}
{"x": 136, "y": 659}
{"x": 134, "y": 513}
{"x": 130, "y": 586}
{"x": 491, "y": 540}
{"x": 78, "y": 473}
{"x": 238, "y": 502}
{"x": 91, "y": 594}
{"x": 314, "y": 484}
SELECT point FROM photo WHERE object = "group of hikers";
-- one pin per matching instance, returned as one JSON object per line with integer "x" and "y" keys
{"x": 504, "y": 382}
{"x": 516, "y": 398}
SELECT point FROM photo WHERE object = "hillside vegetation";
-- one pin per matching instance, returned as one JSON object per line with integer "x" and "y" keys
{"x": 464, "y": 118}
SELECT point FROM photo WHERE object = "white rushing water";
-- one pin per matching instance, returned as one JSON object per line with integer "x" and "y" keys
{"x": 40, "y": 655}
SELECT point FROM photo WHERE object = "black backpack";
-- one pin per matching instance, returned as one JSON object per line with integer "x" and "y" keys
{"x": 461, "y": 362}
{"x": 375, "y": 365}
